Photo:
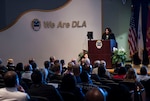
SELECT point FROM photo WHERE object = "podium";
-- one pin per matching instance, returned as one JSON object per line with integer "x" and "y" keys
{"x": 101, "y": 53}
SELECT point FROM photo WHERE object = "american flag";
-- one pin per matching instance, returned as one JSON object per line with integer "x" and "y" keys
{"x": 132, "y": 36}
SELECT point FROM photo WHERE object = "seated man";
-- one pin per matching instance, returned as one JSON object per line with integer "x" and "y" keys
{"x": 56, "y": 77}
{"x": 12, "y": 91}
{"x": 71, "y": 87}
{"x": 95, "y": 66}
{"x": 96, "y": 94}
{"x": 38, "y": 88}
{"x": 86, "y": 82}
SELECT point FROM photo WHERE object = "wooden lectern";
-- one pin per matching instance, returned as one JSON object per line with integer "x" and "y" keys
{"x": 103, "y": 53}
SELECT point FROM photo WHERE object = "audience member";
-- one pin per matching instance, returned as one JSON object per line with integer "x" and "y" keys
{"x": 57, "y": 73}
{"x": 19, "y": 69}
{"x": 117, "y": 67}
{"x": 27, "y": 72}
{"x": 31, "y": 60}
{"x": 97, "y": 71}
{"x": 46, "y": 72}
{"x": 131, "y": 76}
{"x": 77, "y": 70}
{"x": 103, "y": 63}
{"x": 82, "y": 56}
{"x": 71, "y": 87}
{"x": 102, "y": 72}
{"x": 119, "y": 93}
{"x": 87, "y": 57}
{"x": 87, "y": 83}
{"x": 13, "y": 91}
{"x": 121, "y": 73}
{"x": 69, "y": 68}
{"x": 128, "y": 66}
{"x": 143, "y": 76}
{"x": 64, "y": 68}
{"x": 86, "y": 65}
{"x": 1, "y": 61}
{"x": 74, "y": 61}
{"x": 57, "y": 61}
{"x": 95, "y": 94}
{"x": 85, "y": 77}
{"x": 96, "y": 66}
{"x": 26, "y": 76}
{"x": 38, "y": 88}
{"x": 52, "y": 60}
{"x": 3, "y": 68}
{"x": 10, "y": 64}
{"x": 34, "y": 66}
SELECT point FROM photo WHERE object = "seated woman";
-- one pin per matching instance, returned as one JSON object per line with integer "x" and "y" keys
{"x": 131, "y": 80}
{"x": 121, "y": 73}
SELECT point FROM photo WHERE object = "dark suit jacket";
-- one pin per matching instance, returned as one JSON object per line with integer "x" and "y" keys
{"x": 110, "y": 36}
{"x": 47, "y": 91}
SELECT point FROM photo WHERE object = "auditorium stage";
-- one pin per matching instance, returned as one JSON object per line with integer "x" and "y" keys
{"x": 137, "y": 68}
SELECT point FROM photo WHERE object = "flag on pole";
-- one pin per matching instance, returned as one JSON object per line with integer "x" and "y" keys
{"x": 140, "y": 36}
{"x": 132, "y": 36}
{"x": 148, "y": 33}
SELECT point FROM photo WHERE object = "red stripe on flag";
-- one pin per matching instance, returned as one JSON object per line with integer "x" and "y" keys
{"x": 132, "y": 36}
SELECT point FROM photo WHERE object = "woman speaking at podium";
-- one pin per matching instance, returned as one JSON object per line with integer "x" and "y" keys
{"x": 108, "y": 34}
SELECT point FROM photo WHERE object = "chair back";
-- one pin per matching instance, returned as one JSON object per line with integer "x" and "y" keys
{"x": 68, "y": 96}
{"x": 130, "y": 85}
{"x": 27, "y": 82}
{"x": 106, "y": 81}
{"x": 2, "y": 84}
{"x": 95, "y": 77}
{"x": 38, "y": 98}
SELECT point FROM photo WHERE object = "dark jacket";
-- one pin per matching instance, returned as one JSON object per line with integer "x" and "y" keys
{"x": 110, "y": 36}
{"x": 44, "y": 90}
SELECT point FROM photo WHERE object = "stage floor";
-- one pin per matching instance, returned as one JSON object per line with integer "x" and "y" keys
{"x": 137, "y": 68}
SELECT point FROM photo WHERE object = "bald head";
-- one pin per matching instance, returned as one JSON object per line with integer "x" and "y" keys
{"x": 95, "y": 94}
{"x": 11, "y": 79}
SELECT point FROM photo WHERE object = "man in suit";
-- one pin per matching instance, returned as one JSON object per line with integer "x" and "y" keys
{"x": 38, "y": 88}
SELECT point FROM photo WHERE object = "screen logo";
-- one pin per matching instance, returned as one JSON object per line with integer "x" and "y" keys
{"x": 99, "y": 44}
{"x": 36, "y": 24}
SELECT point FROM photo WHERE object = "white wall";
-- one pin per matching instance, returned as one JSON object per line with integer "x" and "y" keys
{"x": 21, "y": 42}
